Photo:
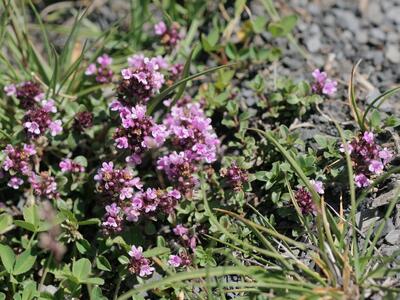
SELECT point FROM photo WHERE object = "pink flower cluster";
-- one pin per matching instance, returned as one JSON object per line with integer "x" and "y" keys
{"x": 169, "y": 36}
{"x": 44, "y": 185}
{"x": 189, "y": 243}
{"x": 141, "y": 80}
{"x": 304, "y": 199}
{"x": 369, "y": 159}
{"x": 137, "y": 132}
{"x": 18, "y": 163}
{"x": 102, "y": 70}
{"x": 116, "y": 183}
{"x": 139, "y": 265}
{"x": 28, "y": 93}
{"x": 190, "y": 132}
{"x": 235, "y": 176}
{"x": 322, "y": 84}
{"x": 146, "y": 203}
{"x": 83, "y": 120}
{"x": 38, "y": 120}
{"x": 69, "y": 166}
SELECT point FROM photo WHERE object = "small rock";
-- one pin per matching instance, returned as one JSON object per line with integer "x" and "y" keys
{"x": 393, "y": 14}
{"x": 347, "y": 20}
{"x": 393, "y": 53}
{"x": 378, "y": 34}
{"x": 362, "y": 36}
{"x": 374, "y": 13}
{"x": 313, "y": 43}
{"x": 393, "y": 237}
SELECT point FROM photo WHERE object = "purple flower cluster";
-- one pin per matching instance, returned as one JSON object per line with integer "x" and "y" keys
{"x": 236, "y": 176}
{"x": 102, "y": 70}
{"x": 304, "y": 199}
{"x": 38, "y": 120}
{"x": 138, "y": 132}
{"x": 69, "y": 166}
{"x": 28, "y": 93}
{"x": 169, "y": 36}
{"x": 190, "y": 132}
{"x": 369, "y": 159}
{"x": 147, "y": 203}
{"x": 44, "y": 185}
{"x": 18, "y": 163}
{"x": 83, "y": 120}
{"x": 141, "y": 80}
{"x": 116, "y": 183}
{"x": 139, "y": 265}
{"x": 322, "y": 84}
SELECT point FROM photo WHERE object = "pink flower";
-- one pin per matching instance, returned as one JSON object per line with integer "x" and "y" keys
{"x": 32, "y": 127}
{"x": 122, "y": 142}
{"x": 66, "y": 165}
{"x": 174, "y": 260}
{"x": 55, "y": 127}
{"x": 330, "y": 87}
{"x": 10, "y": 90}
{"x": 126, "y": 193}
{"x": 361, "y": 180}
{"x": 15, "y": 183}
{"x": 318, "y": 186}
{"x": 180, "y": 230}
{"x": 376, "y": 166}
{"x": 91, "y": 69}
{"x": 368, "y": 137}
{"x": 113, "y": 210}
{"x": 126, "y": 73}
{"x": 319, "y": 76}
{"x": 136, "y": 252}
{"x": 160, "y": 28}
{"x": 385, "y": 155}
{"x": 146, "y": 270}
{"x": 104, "y": 60}
{"x": 49, "y": 105}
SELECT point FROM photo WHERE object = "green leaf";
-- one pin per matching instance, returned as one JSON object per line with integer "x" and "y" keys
{"x": 375, "y": 119}
{"x": 156, "y": 251}
{"x": 81, "y": 269}
{"x": 31, "y": 215}
{"x": 94, "y": 280}
{"x": 102, "y": 263}
{"x": 185, "y": 74}
{"x": 24, "y": 262}
{"x": 6, "y": 221}
{"x": 29, "y": 291}
{"x": 25, "y": 225}
{"x": 91, "y": 221}
{"x": 7, "y": 257}
{"x": 123, "y": 260}
{"x": 283, "y": 26}
{"x": 97, "y": 294}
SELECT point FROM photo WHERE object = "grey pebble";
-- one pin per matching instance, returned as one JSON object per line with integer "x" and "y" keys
{"x": 393, "y": 53}
{"x": 393, "y": 237}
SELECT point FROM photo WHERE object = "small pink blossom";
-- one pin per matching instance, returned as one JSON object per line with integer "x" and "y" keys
{"x": 376, "y": 167}
{"x": 104, "y": 60}
{"x": 175, "y": 260}
{"x": 10, "y": 90}
{"x": 136, "y": 252}
{"x": 55, "y": 127}
{"x": 180, "y": 230}
{"x": 368, "y": 137}
{"x": 15, "y": 183}
{"x": 32, "y": 127}
{"x": 361, "y": 180}
{"x": 318, "y": 186}
{"x": 91, "y": 69}
{"x": 146, "y": 270}
{"x": 160, "y": 28}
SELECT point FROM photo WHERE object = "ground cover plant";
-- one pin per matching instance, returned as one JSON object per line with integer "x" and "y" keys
{"x": 153, "y": 150}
